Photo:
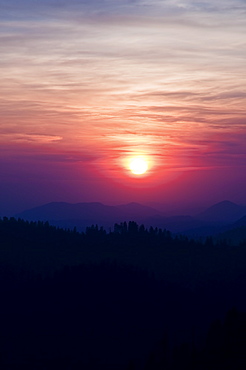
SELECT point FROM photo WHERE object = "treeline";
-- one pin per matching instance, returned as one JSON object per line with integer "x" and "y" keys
{"x": 39, "y": 232}
{"x": 43, "y": 248}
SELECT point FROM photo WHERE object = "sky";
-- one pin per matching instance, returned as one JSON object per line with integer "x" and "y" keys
{"x": 88, "y": 85}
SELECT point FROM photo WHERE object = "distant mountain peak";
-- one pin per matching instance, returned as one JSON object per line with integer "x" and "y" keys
{"x": 225, "y": 203}
{"x": 88, "y": 212}
{"x": 223, "y": 212}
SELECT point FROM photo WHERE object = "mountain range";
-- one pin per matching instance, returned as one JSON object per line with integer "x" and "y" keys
{"x": 218, "y": 218}
{"x": 223, "y": 213}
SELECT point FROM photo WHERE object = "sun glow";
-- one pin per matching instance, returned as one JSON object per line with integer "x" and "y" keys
{"x": 138, "y": 165}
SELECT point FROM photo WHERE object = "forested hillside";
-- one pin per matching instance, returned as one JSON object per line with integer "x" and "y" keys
{"x": 42, "y": 248}
{"x": 133, "y": 298}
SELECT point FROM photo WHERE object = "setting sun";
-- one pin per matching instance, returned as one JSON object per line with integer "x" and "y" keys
{"x": 138, "y": 166}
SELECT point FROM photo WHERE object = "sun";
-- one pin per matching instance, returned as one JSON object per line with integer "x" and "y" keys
{"x": 138, "y": 165}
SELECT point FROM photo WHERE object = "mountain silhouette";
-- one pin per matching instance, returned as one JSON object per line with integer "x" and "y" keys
{"x": 223, "y": 212}
{"x": 82, "y": 215}
{"x": 85, "y": 214}
{"x": 240, "y": 222}
{"x": 233, "y": 236}
{"x": 235, "y": 233}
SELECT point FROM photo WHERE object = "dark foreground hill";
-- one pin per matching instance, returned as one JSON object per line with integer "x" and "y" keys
{"x": 133, "y": 298}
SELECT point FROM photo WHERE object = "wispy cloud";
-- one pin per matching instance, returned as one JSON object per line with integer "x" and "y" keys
{"x": 115, "y": 78}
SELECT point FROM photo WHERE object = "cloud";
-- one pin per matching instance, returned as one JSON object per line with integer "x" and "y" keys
{"x": 43, "y": 139}
{"x": 109, "y": 9}
{"x": 111, "y": 78}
